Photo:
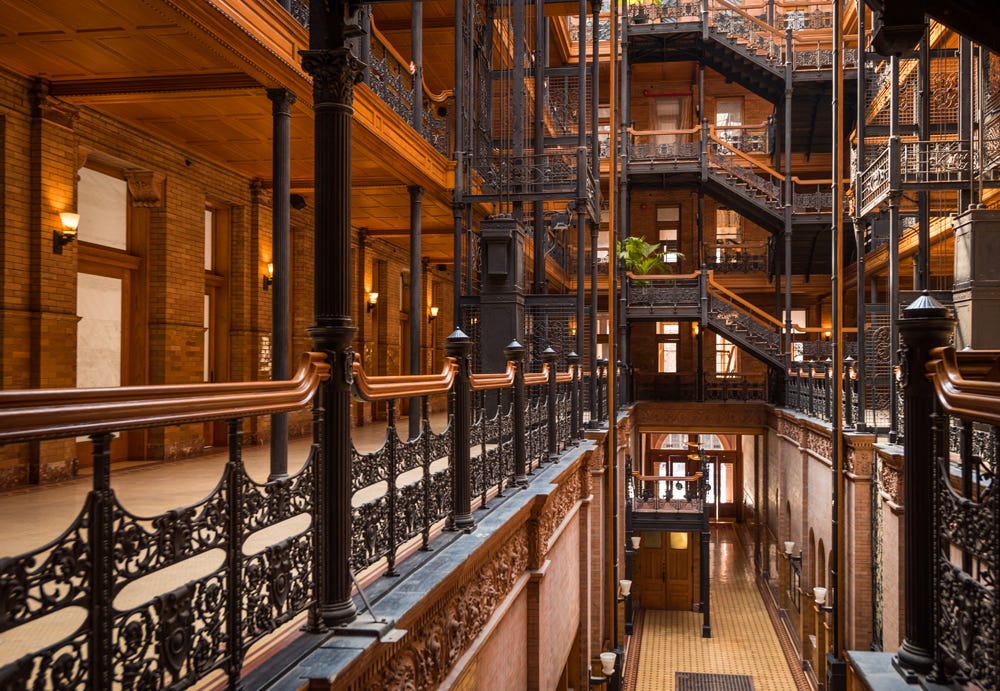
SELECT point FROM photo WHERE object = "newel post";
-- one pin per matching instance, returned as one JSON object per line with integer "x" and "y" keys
{"x": 574, "y": 361}
{"x": 549, "y": 358}
{"x": 926, "y": 324}
{"x": 459, "y": 346}
{"x": 515, "y": 353}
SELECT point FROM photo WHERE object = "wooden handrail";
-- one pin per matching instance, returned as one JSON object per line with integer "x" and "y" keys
{"x": 385, "y": 387}
{"x": 667, "y": 478}
{"x": 743, "y": 303}
{"x": 565, "y": 377}
{"x": 661, "y": 277}
{"x": 759, "y": 126}
{"x": 493, "y": 380}
{"x": 55, "y": 413}
{"x": 967, "y": 384}
{"x": 764, "y": 26}
{"x": 653, "y": 133}
{"x": 536, "y": 378}
{"x": 750, "y": 161}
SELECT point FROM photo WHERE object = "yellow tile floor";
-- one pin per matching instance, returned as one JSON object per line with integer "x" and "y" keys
{"x": 743, "y": 640}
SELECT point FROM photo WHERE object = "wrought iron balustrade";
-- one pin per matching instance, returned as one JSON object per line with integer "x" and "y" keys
{"x": 663, "y": 291}
{"x": 745, "y": 175}
{"x": 270, "y": 559}
{"x": 390, "y": 79}
{"x": 550, "y": 172}
{"x": 966, "y": 513}
{"x": 935, "y": 161}
{"x": 875, "y": 183}
{"x": 723, "y": 258}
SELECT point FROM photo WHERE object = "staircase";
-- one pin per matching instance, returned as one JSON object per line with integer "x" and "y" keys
{"x": 744, "y": 184}
{"x": 752, "y": 329}
{"x": 698, "y": 297}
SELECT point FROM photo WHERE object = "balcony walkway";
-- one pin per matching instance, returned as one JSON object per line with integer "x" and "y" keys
{"x": 743, "y": 640}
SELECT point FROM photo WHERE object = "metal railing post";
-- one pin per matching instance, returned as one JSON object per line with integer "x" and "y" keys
{"x": 549, "y": 357}
{"x": 515, "y": 353}
{"x": 459, "y": 346}
{"x": 576, "y": 418}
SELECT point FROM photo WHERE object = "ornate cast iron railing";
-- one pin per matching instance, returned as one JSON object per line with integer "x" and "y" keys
{"x": 389, "y": 78}
{"x": 724, "y": 258}
{"x": 680, "y": 493}
{"x": 204, "y": 617}
{"x": 749, "y": 177}
{"x": 966, "y": 515}
{"x": 681, "y": 291}
{"x": 205, "y": 620}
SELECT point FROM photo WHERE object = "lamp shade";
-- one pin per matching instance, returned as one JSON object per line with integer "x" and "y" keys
{"x": 820, "y": 594}
{"x": 608, "y": 663}
{"x": 789, "y": 546}
{"x": 636, "y": 540}
{"x": 626, "y": 586}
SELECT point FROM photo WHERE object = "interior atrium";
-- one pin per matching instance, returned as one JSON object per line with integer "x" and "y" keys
{"x": 499, "y": 344}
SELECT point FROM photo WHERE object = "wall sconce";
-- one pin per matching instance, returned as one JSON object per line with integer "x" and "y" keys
{"x": 827, "y": 335}
{"x": 607, "y": 669}
{"x": 432, "y": 313}
{"x": 625, "y": 587}
{"x": 819, "y": 594}
{"x": 694, "y": 328}
{"x": 636, "y": 541}
{"x": 372, "y": 301}
{"x": 789, "y": 546}
{"x": 70, "y": 222}
{"x": 793, "y": 559}
{"x": 269, "y": 276}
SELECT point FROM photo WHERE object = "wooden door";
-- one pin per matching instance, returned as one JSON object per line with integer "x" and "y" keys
{"x": 680, "y": 571}
{"x": 650, "y": 572}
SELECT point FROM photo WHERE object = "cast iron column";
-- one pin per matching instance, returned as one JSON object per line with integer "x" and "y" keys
{"x": 335, "y": 71}
{"x": 706, "y": 541}
{"x": 574, "y": 360}
{"x": 925, "y": 325}
{"x": 417, "y": 55}
{"x": 459, "y": 346}
{"x": 281, "y": 250}
{"x": 416, "y": 303}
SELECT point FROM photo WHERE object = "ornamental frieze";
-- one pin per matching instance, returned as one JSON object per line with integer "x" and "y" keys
{"x": 788, "y": 428}
{"x": 891, "y": 481}
{"x": 434, "y": 643}
{"x": 553, "y": 512}
{"x": 819, "y": 444}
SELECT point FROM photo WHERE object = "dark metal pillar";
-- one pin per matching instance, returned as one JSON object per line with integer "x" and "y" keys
{"x": 788, "y": 192}
{"x": 540, "y": 235}
{"x": 859, "y": 229}
{"x": 967, "y": 194}
{"x": 581, "y": 201}
{"x": 925, "y": 325}
{"x": 281, "y": 251}
{"x": 460, "y": 142}
{"x": 549, "y": 357}
{"x": 417, "y": 55}
{"x": 459, "y": 346}
{"x": 335, "y": 71}
{"x": 705, "y": 543}
{"x": 416, "y": 298}
{"x": 594, "y": 403}
{"x": 893, "y": 279}
{"x": 923, "y": 265}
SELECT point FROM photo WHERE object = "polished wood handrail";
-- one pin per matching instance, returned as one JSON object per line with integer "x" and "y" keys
{"x": 967, "y": 383}
{"x": 565, "y": 377}
{"x": 656, "y": 133}
{"x": 55, "y": 413}
{"x": 750, "y": 307}
{"x": 746, "y": 157}
{"x": 494, "y": 380}
{"x": 536, "y": 378}
{"x": 667, "y": 478}
{"x": 386, "y": 387}
{"x": 661, "y": 277}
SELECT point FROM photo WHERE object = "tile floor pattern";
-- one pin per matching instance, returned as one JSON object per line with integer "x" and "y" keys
{"x": 743, "y": 638}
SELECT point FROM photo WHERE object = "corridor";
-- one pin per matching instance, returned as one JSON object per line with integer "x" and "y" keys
{"x": 743, "y": 640}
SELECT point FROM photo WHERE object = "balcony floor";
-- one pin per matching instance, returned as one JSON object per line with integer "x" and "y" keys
{"x": 743, "y": 640}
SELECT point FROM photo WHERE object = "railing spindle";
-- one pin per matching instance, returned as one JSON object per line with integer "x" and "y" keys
{"x": 102, "y": 574}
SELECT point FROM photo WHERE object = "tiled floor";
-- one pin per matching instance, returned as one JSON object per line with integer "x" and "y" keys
{"x": 743, "y": 640}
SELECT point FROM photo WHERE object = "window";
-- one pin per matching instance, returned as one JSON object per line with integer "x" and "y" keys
{"x": 668, "y": 340}
{"x": 667, "y": 116}
{"x": 728, "y": 226}
{"x": 726, "y": 356}
{"x": 668, "y": 224}
{"x": 798, "y": 319}
{"x": 729, "y": 120}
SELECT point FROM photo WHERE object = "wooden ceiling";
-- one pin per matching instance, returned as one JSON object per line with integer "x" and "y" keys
{"x": 195, "y": 74}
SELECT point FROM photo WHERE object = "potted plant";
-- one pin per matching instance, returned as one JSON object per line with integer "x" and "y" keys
{"x": 641, "y": 257}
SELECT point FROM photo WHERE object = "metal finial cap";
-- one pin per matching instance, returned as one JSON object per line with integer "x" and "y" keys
{"x": 924, "y": 307}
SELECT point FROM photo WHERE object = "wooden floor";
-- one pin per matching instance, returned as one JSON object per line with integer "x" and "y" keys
{"x": 743, "y": 642}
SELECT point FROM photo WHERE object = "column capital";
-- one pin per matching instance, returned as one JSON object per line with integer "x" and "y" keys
{"x": 335, "y": 71}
